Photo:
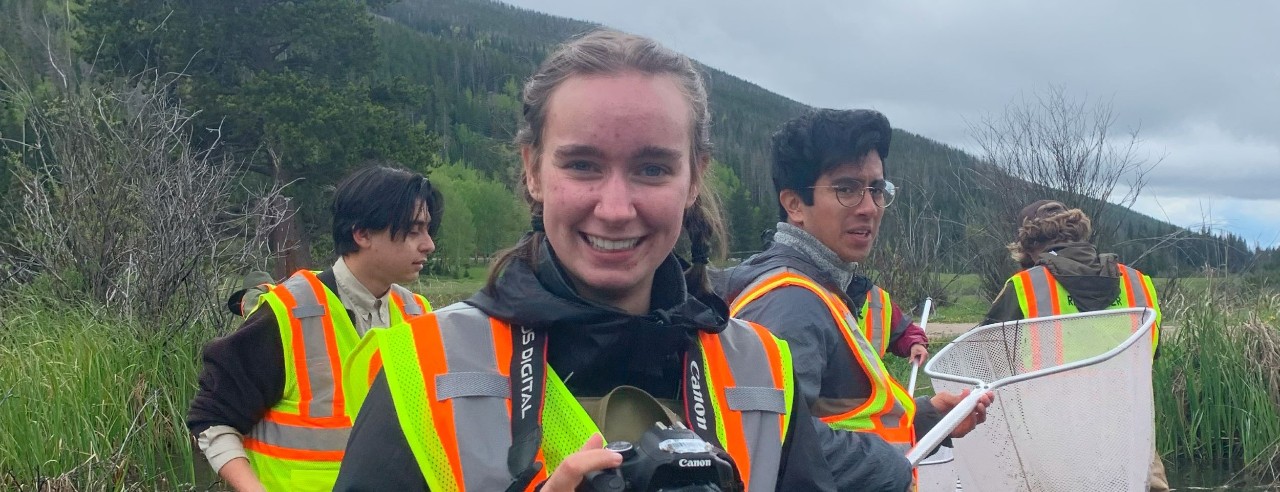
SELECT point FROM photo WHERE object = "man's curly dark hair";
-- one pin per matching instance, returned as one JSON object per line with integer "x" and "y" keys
{"x": 821, "y": 140}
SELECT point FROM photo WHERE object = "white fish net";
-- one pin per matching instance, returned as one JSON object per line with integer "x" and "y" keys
{"x": 938, "y": 473}
{"x": 1084, "y": 428}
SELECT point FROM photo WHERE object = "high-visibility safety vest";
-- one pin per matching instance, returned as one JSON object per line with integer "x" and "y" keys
{"x": 298, "y": 444}
{"x": 1040, "y": 294}
{"x": 363, "y": 364}
{"x": 452, "y": 375}
{"x": 877, "y": 319}
{"x": 889, "y": 410}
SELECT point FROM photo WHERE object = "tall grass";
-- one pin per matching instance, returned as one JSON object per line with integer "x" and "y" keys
{"x": 89, "y": 402}
{"x": 443, "y": 290}
{"x": 1217, "y": 382}
{"x": 92, "y": 401}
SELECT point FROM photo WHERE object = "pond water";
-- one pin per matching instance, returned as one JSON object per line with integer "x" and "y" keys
{"x": 1182, "y": 477}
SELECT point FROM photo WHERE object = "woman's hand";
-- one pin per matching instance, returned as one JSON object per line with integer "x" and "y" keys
{"x": 591, "y": 457}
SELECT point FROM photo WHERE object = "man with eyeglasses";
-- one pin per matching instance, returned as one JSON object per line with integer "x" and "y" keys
{"x": 807, "y": 289}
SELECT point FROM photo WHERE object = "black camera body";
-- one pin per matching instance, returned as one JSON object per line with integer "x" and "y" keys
{"x": 666, "y": 459}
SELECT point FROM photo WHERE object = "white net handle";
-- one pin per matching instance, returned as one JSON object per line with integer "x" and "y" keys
{"x": 945, "y": 426}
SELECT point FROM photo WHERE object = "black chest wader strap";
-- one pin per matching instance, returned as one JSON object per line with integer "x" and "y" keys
{"x": 528, "y": 376}
{"x": 330, "y": 281}
{"x": 699, "y": 414}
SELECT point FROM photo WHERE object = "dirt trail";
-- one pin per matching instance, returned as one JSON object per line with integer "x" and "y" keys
{"x": 948, "y": 329}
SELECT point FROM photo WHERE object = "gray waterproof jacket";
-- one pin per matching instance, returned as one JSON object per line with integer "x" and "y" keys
{"x": 824, "y": 367}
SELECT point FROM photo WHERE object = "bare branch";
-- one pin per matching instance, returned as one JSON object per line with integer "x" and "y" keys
{"x": 1053, "y": 146}
{"x": 117, "y": 202}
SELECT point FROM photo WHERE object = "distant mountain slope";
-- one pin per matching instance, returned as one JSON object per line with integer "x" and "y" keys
{"x": 473, "y": 54}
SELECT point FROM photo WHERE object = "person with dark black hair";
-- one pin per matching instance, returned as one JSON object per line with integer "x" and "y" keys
{"x": 383, "y": 199}
{"x": 272, "y": 412}
{"x": 807, "y": 288}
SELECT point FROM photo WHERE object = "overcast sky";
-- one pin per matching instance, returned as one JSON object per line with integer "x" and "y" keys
{"x": 1200, "y": 79}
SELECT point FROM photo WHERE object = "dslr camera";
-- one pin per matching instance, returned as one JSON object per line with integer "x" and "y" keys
{"x": 667, "y": 459}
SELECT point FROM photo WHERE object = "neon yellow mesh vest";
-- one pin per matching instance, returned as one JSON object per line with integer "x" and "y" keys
{"x": 298, "y": 444}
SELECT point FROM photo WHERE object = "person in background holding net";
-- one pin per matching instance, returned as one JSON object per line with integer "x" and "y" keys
{"x": 1063, "y": 273}
{"x": 807, "y": 288}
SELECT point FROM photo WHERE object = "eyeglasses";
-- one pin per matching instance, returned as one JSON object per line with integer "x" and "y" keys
{"x": 851, "y": 196}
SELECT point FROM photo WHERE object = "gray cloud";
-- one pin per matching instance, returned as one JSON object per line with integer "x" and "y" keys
{"x": 1201, "y": 79}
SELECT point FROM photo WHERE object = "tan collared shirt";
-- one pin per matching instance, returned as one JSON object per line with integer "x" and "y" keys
{"x": 367, "y": 311}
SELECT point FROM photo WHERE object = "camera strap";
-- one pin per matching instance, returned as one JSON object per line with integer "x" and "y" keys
{"x": 528, "y": 376}
{"x": 698, "y": 411}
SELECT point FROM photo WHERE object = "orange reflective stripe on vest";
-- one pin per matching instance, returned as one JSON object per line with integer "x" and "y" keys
{"x": 777, "y": 370}
{"x": 431, "y": 358}
{"x": 319, "y": 337}
{"x": 1043, "y": 300}
{"x": 501, "y": 337}
{"x": 298, "y": 442}
{"x": 1135, "y": 285}
{"x": 749, "y": 396}
{"x": 1134, "y": 282}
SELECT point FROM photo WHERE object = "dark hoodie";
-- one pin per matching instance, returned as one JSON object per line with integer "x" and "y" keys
{"x": 1092, "y": 280}
{"x": 600, "y": 346}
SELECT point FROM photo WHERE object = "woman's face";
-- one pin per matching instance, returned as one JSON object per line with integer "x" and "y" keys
{"x": 614, "y": 177}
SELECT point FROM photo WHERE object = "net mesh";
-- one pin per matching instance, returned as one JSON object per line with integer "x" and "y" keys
{"x": 937, "y": 473}
{"x": 1088, "y": 428}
